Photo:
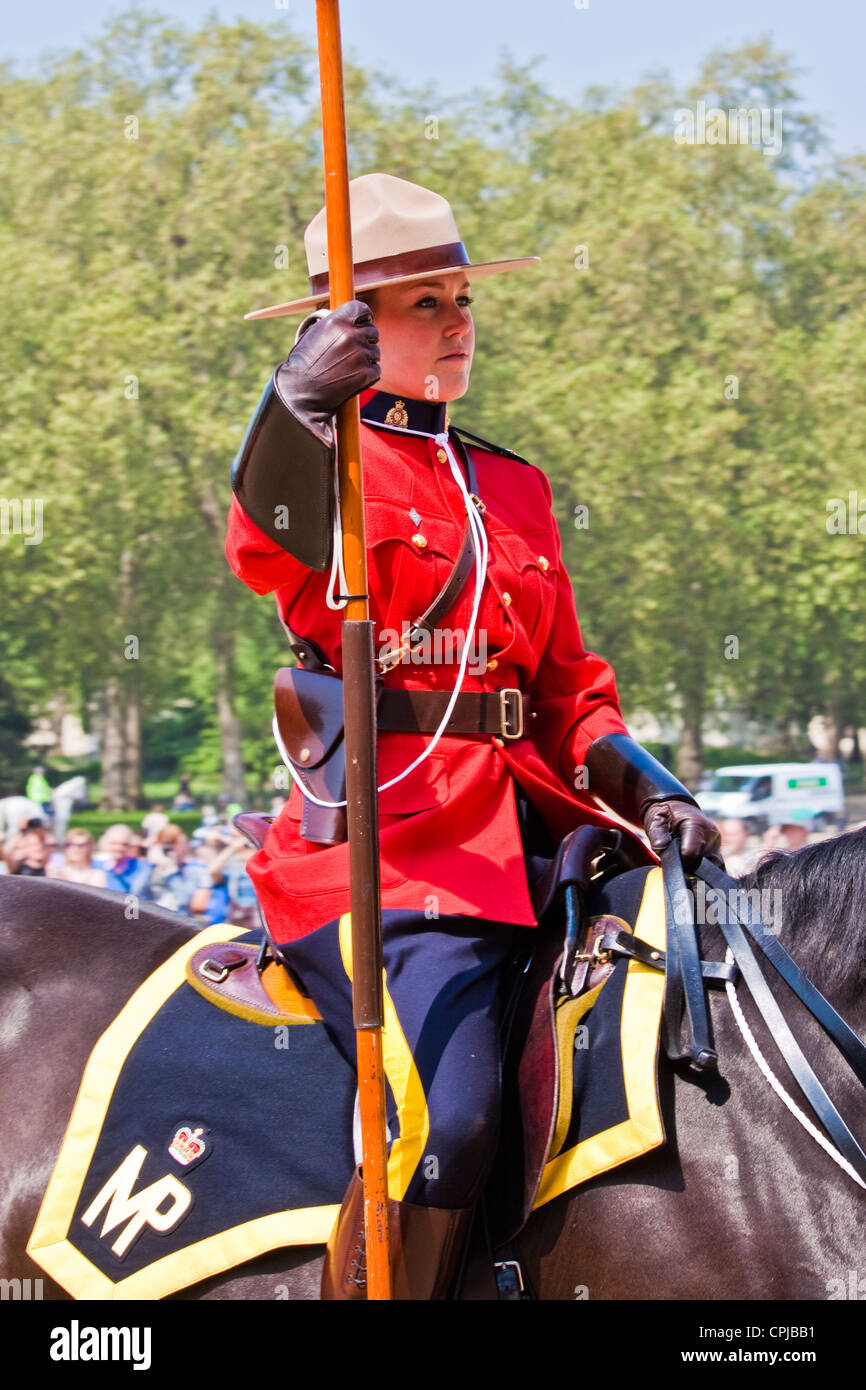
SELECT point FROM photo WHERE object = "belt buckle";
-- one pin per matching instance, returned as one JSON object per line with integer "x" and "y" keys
{"x": 517, "y": 731}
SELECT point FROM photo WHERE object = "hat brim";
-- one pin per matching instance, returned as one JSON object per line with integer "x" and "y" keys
{"x": 316, "y": 301}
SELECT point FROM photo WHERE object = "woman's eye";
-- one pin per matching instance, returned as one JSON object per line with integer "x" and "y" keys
{"x": 429, "y": 301}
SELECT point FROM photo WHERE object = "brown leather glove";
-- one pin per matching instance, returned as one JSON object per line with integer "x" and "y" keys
{"x": 336, "y": 358}
{"x": 698, "y": 836}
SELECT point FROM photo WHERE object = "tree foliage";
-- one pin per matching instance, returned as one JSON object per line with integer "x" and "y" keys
{"x": 685, "y": 363}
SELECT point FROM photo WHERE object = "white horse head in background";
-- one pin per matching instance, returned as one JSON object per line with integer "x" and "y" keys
{"x": 63, "y": 798}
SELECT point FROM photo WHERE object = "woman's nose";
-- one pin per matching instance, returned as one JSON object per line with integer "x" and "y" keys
{"x": 460, "y": 324}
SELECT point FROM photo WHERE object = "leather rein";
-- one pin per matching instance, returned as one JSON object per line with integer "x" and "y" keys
{"x": 685, "y": 1001}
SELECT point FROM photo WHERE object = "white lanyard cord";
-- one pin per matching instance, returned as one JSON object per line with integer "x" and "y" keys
{"x": 479, "y": 542}
{"x": 338, "y": 574}
{"x": 784, "y": 1096}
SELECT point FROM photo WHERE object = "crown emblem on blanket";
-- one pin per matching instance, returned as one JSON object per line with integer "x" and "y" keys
{"x": 188, "y": 1145}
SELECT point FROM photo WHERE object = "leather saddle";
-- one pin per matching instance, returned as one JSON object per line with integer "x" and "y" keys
{"x": 250, "y": 981}
{"x": 561, "y": 958}
{"x": 246, "y": 980}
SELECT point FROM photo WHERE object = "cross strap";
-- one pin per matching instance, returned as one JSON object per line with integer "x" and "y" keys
{"x": 851, "y": 1047}
{"x": 311, "y": 654}
{"x": 734, "y": 927}
{"x": 624, "y": 943}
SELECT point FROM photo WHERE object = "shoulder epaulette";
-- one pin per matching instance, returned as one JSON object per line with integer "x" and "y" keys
{"x": 485, "y": 444}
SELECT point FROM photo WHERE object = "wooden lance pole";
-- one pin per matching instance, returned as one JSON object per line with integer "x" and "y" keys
{"x": 359, "y": 703}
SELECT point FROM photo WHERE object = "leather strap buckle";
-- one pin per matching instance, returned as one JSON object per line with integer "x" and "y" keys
{"x": 511, "y": 717}
{"x": 509, "y": 1279}
{"x": 396, "y": 654}
{"x": 218, "y": 970}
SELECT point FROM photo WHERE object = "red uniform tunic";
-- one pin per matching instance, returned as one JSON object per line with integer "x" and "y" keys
{"x": 449, "y": 836}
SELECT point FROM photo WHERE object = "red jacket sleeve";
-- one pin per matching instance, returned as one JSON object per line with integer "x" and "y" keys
{"x": 574, "y": 691}
{"x": 262, "y": 564}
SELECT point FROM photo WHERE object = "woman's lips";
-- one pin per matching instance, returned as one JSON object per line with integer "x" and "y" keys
{"x": 454, "y": 357}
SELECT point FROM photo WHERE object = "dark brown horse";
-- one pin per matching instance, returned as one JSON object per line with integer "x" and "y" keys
{"x": 738, "y": 1203}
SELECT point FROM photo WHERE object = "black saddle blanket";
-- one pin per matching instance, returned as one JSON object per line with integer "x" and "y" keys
{"x": 198, "y": 1140}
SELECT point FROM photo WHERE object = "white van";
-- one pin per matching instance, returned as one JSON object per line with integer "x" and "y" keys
{"x": 770, "y": 793}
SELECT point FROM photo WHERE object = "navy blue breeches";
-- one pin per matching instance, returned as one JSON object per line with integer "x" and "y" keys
{"x": 445, "y": 982}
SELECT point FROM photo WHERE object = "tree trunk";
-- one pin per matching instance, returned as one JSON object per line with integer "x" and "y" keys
{"x": 690, "y": 760}
{"x": 824, "y": 734}
{"x": 113, "y": 743}
{"x": 56, "y": 711}
{"x": 131, "y": 742}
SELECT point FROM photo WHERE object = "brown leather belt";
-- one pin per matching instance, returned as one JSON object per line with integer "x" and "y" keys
{"x": 503, "y": 712}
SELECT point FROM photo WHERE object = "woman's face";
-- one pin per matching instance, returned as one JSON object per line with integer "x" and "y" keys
{"x": 426, "y": 337}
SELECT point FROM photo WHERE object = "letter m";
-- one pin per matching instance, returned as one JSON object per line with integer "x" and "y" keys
{"x": 141, "y": 1209}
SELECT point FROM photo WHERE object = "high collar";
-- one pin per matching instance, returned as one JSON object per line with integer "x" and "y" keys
{"x": 427, "y": 416}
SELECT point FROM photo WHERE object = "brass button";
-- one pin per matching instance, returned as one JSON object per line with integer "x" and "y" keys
{"x": 419, "y": 540}
{"x": 304, "y": 755}
{"x": 544, "y": 562}
{"x": 506, "y": 599}
{"x": 441, "y": 455}
{"x": 492, "y": 664}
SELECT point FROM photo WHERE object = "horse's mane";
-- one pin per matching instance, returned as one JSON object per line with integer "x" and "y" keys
{"x": 819, "y": 910}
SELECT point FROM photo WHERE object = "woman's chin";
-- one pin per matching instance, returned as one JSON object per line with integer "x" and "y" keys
{"x": 447, "y": 388}
{"x": 451, "y": 385}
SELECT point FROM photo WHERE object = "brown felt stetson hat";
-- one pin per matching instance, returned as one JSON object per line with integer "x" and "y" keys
{"x": 400, "y": 232}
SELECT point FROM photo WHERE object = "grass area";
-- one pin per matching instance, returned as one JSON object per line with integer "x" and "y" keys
{"x": 205, "y": 789}
{"x": 97, "y": 822}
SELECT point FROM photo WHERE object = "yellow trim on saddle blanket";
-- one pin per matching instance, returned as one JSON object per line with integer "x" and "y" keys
{"x": 48, "y": 1245}
{"x": 639, "y": 1035}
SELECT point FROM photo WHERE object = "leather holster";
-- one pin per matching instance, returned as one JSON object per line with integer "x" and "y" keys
{"x": 309, "y": 710}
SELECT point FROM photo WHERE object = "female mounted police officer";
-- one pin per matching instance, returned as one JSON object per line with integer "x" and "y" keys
{"x": 534, "y": 731}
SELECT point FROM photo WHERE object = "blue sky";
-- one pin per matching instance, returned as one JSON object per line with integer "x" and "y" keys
{"x": 456, "y": 43}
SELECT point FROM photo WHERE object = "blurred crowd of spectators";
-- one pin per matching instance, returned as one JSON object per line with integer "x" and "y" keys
{"x": 206, "y": 877}
{"x": 203, "y": 876}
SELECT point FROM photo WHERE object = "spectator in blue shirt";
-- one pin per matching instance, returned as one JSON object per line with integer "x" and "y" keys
{"x": 178, "y": 883}
{"x": 124, "y": 871}
{"x": 232, "y": 897}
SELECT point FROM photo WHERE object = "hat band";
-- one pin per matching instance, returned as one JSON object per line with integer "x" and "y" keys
{"x": 452, "y": 253}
